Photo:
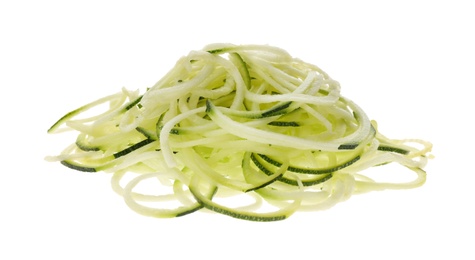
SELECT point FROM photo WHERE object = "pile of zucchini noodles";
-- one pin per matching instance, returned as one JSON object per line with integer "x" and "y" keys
{"x": 243, "y": 130}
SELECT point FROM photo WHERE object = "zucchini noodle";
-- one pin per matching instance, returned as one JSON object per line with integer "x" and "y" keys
{"x": 247, "y": 131}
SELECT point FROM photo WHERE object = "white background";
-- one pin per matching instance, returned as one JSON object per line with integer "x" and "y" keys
{"x": 409, "y": 64}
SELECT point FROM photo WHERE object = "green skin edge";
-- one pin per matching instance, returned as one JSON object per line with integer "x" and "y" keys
{"x": 83, "y": 108}
{"x": 318, "y": 180}
{"x": 311, "y": 171}
{"x": 392, "y": 149}
{"x": 78, "y": 167}
{"x": 64, "y": 118}
{"x": 222, "y": 210}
